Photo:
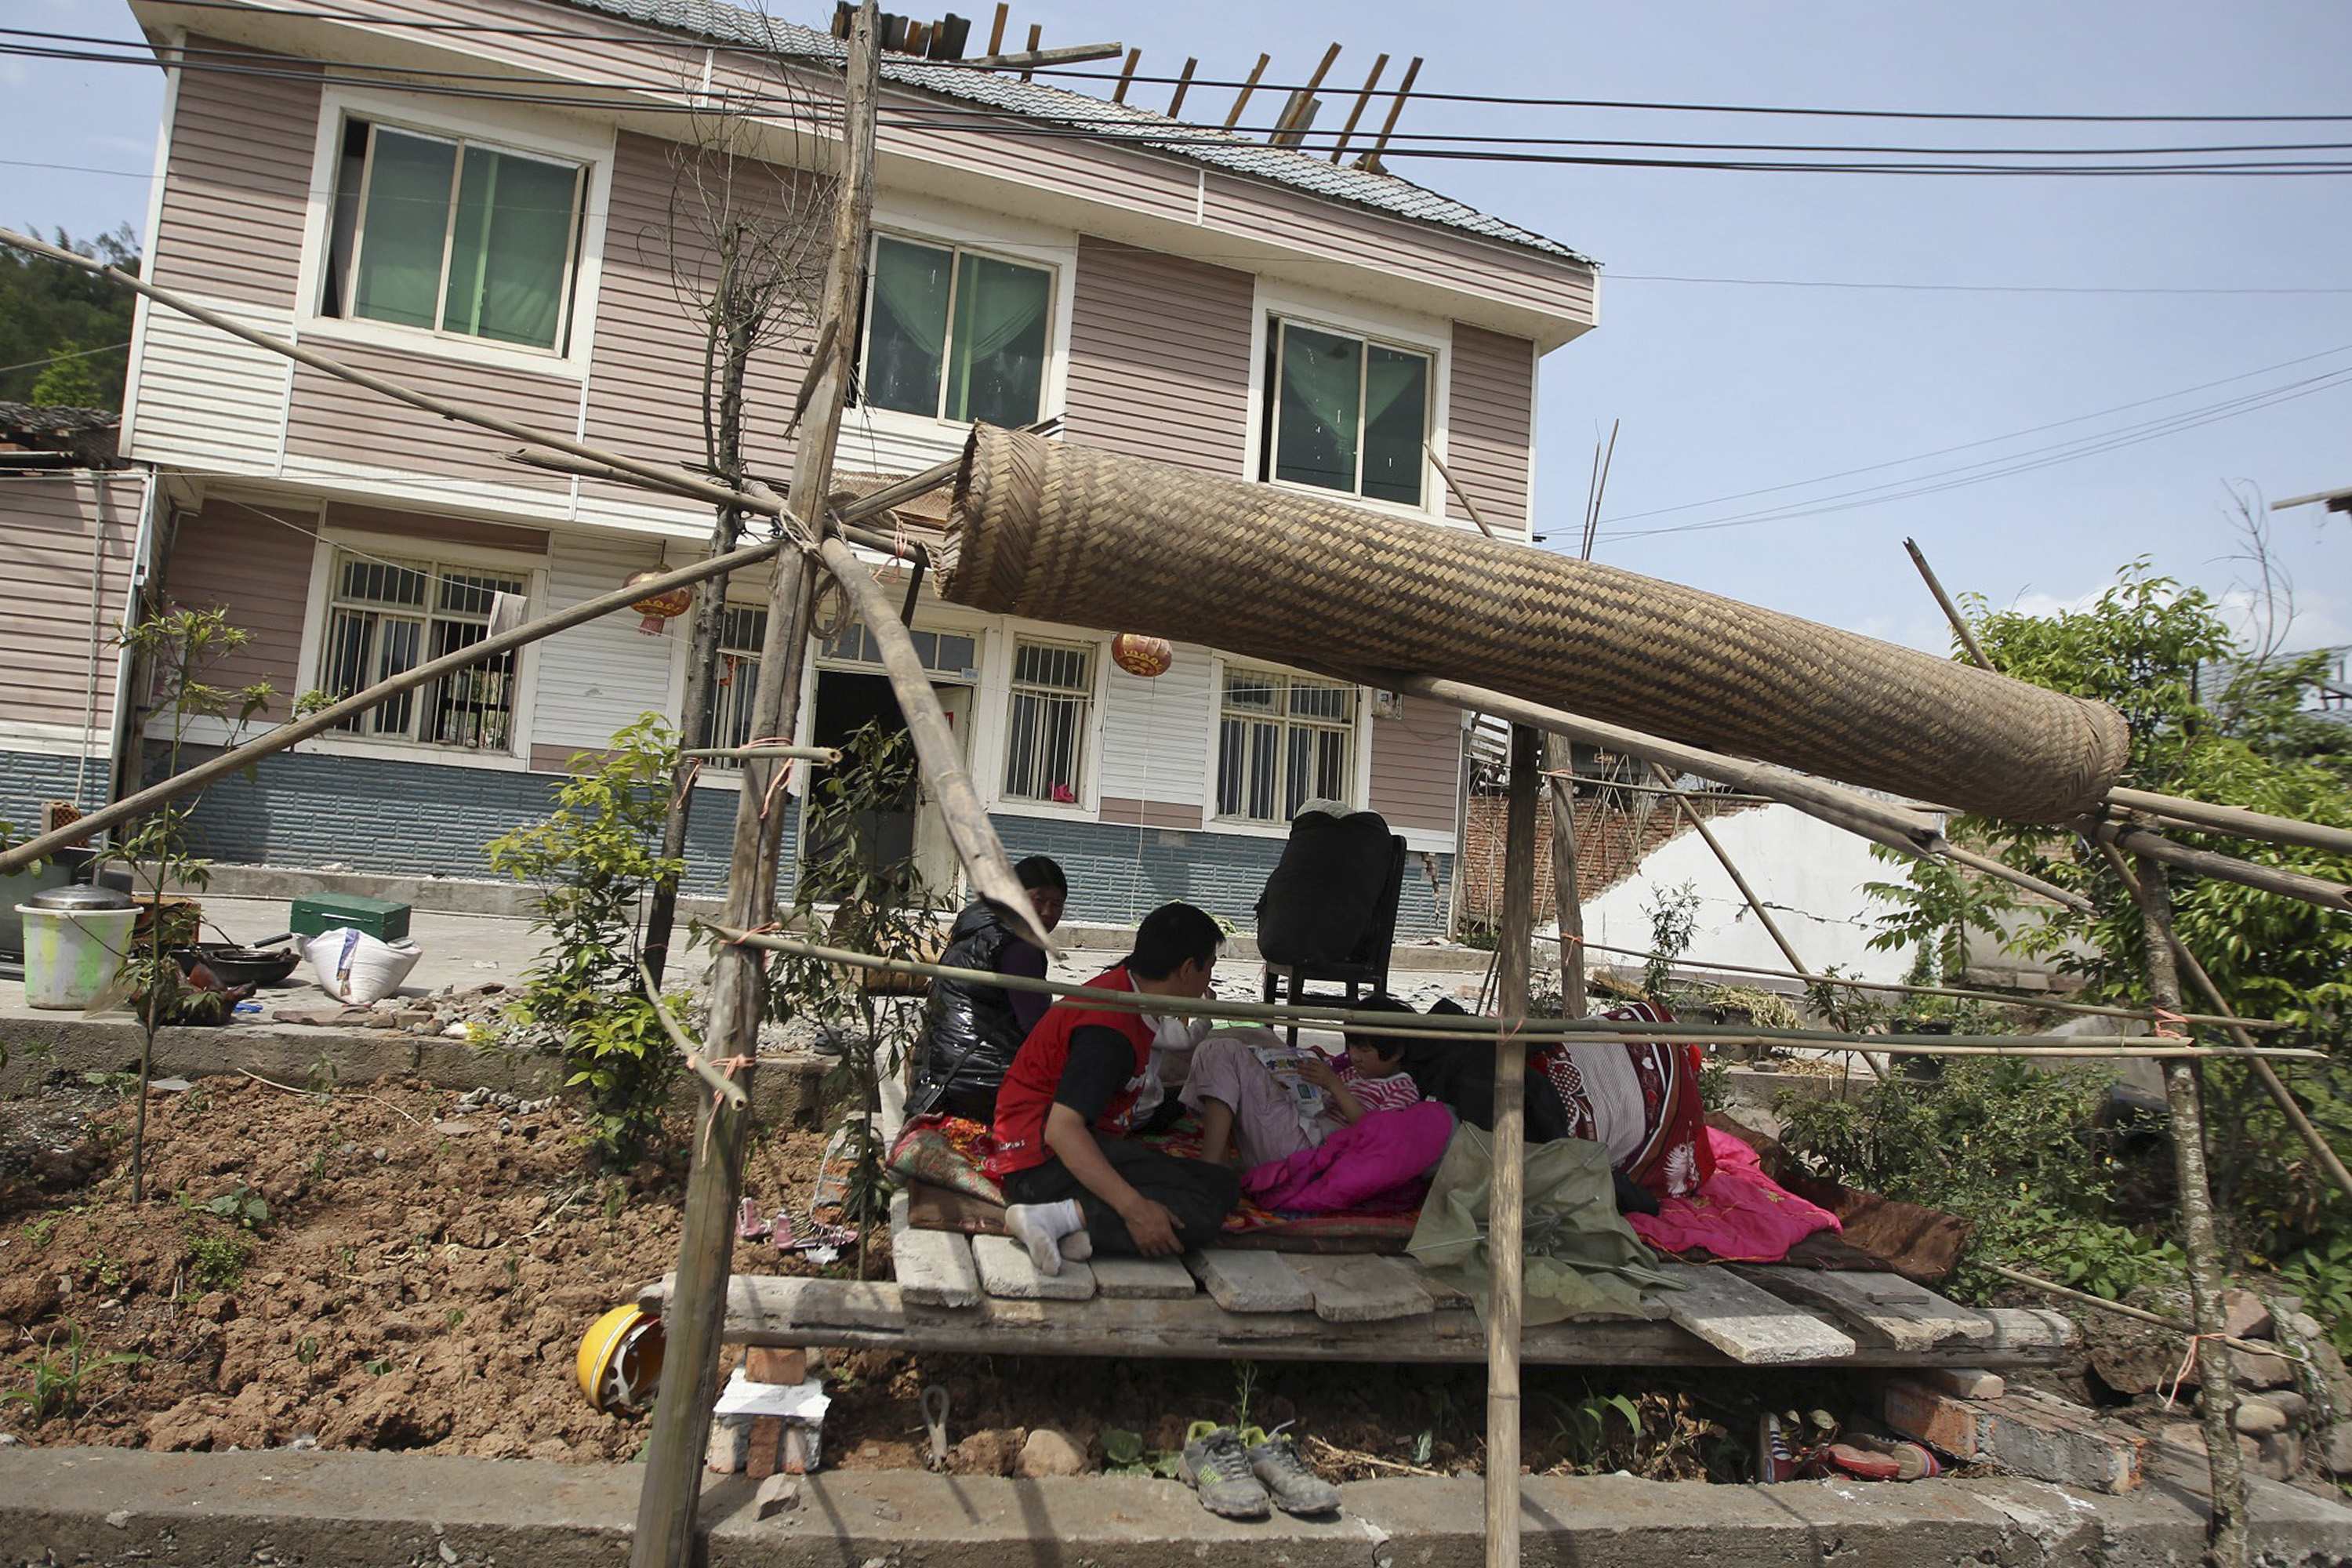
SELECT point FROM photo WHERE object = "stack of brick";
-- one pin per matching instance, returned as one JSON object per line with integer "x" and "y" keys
{"x": 762, "y": 1445}
{"x": 1974, "y": 1418}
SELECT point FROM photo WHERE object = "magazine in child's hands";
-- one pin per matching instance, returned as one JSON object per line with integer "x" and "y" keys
{"x": 1282, "y": 1061}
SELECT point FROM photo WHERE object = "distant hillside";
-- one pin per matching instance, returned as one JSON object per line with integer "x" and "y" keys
{"x": 63, "y": 334}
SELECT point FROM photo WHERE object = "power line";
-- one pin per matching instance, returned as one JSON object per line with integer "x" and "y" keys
{"x": 1162, "y": 135}
{"x": 1984, "y": 441}
{"x": 720, "y": 46}
{"x": 77, "y": 354}
{"x": 2011, "y": 466}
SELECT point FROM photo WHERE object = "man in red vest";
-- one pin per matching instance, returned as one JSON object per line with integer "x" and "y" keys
{"x": 1082, "y": 1082}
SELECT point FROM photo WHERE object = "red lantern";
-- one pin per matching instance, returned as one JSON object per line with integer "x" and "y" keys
{"x": 1140, "y": 655}
{"x": 660, "y": 608}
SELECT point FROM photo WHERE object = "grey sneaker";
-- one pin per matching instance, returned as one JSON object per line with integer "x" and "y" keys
{"x": 1274, "y": 1460}
{"x": 1217, "y": 1465}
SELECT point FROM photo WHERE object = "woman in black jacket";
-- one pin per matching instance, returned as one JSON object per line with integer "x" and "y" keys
{"x": 973, "y": 1029}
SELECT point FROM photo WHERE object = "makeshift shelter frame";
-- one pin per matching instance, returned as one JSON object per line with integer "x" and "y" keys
{"x": 818, "y": 532}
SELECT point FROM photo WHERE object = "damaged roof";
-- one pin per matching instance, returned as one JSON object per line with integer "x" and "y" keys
{"x": 1108, "y": 121}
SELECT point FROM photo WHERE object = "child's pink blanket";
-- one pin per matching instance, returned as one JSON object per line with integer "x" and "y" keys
{"x": 1379, "y": 1163}
{"x": 1740, "y": 1214}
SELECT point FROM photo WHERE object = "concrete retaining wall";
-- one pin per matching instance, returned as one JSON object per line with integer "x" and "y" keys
{"x": 116, "y": 1507}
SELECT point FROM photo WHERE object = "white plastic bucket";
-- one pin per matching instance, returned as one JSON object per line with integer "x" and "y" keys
{"x": 72, "y": 956}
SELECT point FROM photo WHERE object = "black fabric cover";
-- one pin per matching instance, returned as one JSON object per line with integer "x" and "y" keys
{"x": 971, "y": 1033}
{"x": 1320, "y": 901}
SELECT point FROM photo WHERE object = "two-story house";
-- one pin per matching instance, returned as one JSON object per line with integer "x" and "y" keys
{"x": 476, "y": 197}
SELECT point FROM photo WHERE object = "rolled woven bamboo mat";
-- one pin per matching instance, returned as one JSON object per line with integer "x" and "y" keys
{"x": 1060, "y": 533}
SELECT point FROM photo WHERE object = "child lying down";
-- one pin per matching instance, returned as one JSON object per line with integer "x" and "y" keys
{"x": 1246, "y": 1105}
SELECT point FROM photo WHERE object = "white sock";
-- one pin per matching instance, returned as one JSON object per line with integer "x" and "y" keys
{"x": 1077, "y": 1247}
{"x": 1041, "y": 1226}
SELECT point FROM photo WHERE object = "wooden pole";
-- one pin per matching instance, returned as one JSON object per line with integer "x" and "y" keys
{"x": 1363, "y": 97}
{"x": 1183, "y": 86}
{"x": 2225, "y": 1530}
{"x": 2208, "y": 818}
{"x": 1447, "y": 475}
{"x": 1960, "y": 627}
{"x": 1036, "y": 34}
{"x": 696, "y": 1316}
{"x": 1723, "y": 857}
{"x": 1126, "y": 75}
{"x": 1372, "y": 160}
{"x": 1567, "y": 898}
{"x": 996, "y": 32}
{"x": 941, "y": 760}
{"x": 1241, "y": 98}
{"x": 2272, "y": 1083}
{"x": 1296, "y": 115}
{"x": 1507, "y": 1194}
{"x": 2286, "y": 884}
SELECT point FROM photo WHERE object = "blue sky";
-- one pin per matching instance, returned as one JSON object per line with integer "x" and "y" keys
{"x": 1726, "y": 389}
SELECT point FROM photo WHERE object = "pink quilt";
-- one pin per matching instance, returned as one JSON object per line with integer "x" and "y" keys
{"x": 1738, "y": 1215}
{"x": 1377, "y": 1164}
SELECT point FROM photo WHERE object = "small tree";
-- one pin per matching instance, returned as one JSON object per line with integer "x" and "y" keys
{"x": 1937, "y": 905}
{"x": 181, "y": 647}
{"x": 1674, "y": 919}
{"x": 877, "y": 907}
{"x": 593, "y": 857}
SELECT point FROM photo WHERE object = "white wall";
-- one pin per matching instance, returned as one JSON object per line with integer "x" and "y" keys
{"x": 1809, "y": 874}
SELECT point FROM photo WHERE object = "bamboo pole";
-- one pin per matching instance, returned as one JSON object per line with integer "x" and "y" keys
{"x": 1723, "y": 857}
{"x": 2225, "y": 1530}
{"x": 2205, "y": 817}
{"x": 2272, "y": 1083}
{"x": 1433, "y": 1027}
{"x": 1507, "y": 1194}
{"x": 2286, "y": 884}
{"x": 727, "y": 1088}
{"x": 1567, "y": 898}
{"x": 828, "y": 755}
{"x": 974, "y": 836}
{"x": 2252, "y": 1347}
{"x": 1447, "y": 475}
{"x": 694, "y": 1317}
{"x": 1960, "y": 627}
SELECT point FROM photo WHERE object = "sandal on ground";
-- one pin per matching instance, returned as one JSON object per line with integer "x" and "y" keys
{"x": 1217, "y": 1465}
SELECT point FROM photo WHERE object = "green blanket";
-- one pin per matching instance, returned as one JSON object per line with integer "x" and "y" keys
{"x": 1582, "y": 1258}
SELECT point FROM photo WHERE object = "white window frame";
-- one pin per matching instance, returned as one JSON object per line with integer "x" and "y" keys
{"x": 1088, "y": 726}
{"x": 1270, "y": 410}
{"x": 504, "y": 128}
{"x": 888, "y": 440}
{"x": 531, "y": 569}
{"x": 1359, "y": 741}
{"x": 1280, "y": 300}
{"x": 956, "y": 250}
{"x": 742, "y": 681}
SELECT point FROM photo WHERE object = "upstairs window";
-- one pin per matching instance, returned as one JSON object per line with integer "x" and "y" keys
{"x": 386, "y": 617}
{"x": 1346, "y": 414}
{"x": 954, "y": 335}
{"x": 1282, "y": 741}
{"x": 454, "y": 237}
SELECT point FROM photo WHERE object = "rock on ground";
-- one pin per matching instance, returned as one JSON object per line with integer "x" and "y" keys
{"x": 990, "y": 1453}
{"x": 1049, "y": 1455}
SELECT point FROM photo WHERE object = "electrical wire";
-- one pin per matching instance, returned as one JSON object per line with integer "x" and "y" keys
{"x": 1163, "y": 135}
{"x": 77, "y": 354}
{"x": 1985, "y": 441}
{"x": 700, "y": 41}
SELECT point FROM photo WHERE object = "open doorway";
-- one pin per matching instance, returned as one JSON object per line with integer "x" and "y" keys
{"x": 846, "y": 702}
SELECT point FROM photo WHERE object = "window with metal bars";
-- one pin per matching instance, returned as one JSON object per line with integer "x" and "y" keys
{"x": 386, "y": 617}
{"x": 1282, "y": 741}
{"x": 1046, "y": 724}
{"x": 743, "y": 632}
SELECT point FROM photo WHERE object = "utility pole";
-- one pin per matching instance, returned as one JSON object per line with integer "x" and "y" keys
{"x": 698, "y": 1309}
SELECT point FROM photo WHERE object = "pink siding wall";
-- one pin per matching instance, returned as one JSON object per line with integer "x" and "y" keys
{"x": 236, "y": 184}
{"x": 229, "y": 558}
{"x": 60, "y": 529}
{"x": 1417, "y": 766}
{"x": 435, "y": 528}
{"x": 334, "y": 419}
{"x": 1490, "y": 425}
{"x": 1160, "y": 352}
{"x": 644, "y": 397}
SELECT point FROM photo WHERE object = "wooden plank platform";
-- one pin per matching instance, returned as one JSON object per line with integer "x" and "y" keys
{"x": 1143, "y": 1280}
{"x": 1251, "y": 1282}
{"x": 1749, "y": 1325}
{"x": 1006, "y": 1270}
{"x": 1879, "y": 1309}
{"x": 934, "y": 1267}
{"x": 1362, "y": 1288}
{"x": 777, "y": 1311}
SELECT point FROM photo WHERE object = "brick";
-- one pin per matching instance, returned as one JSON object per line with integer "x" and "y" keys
{"x": 730, "y": 1444}
{"x": 765, "y": 1363}
{"x": 766, "y": 1457}
{"x": 1943, "y": 1422}
{"x": 1963, "y": 1382}
{"x": 2029, "y": 1432}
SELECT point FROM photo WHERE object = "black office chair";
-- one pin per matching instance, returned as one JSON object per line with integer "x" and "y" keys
{"x": 1363, "y": 965}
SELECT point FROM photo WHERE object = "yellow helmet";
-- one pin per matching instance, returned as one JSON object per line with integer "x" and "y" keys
{"x": 621, "y": 1360}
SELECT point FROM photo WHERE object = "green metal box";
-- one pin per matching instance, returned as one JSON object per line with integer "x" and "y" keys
{"x": 380, "y": 918}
